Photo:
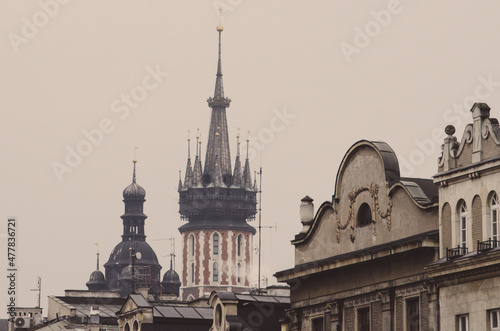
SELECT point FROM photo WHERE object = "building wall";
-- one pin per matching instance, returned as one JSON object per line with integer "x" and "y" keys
{"x": 474, "y": 298}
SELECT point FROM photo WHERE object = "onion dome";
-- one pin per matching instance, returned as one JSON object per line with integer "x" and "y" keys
{"x": 171, "y": 276}
{"x": 171, "y": 282}
{"x": 96, "y": 281}
{"x": 134, "y": 191}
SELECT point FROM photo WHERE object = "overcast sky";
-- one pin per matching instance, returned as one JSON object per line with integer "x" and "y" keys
{"x": 307, "y": 78}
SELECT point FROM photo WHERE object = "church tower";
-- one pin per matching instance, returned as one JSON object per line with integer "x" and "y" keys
{"x": 216, "y": 202}
{"x": 132, "y": 263}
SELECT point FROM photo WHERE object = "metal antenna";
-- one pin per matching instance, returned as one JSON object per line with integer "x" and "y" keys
{"x": 39, "y": 290}
{"x": 172, "y": 252}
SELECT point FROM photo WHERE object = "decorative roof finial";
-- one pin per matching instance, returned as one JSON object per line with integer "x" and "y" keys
{"x": 248, "y": 140}
{"x": 134, "y": 161}
{"x": 189, "y": 144}
{"x": 197, "y": 140}
{"x": 238, "y": 143}
{"x": 97, "y": 253}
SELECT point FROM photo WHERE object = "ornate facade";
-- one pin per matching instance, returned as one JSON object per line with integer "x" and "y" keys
{"x": 359, "y": 262}
{"x": 395, "y": 253}
{"x": 216, "y": 201}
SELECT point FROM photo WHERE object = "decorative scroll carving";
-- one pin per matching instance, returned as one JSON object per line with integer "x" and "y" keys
{"x": 410, "y": 290}
{"x": 373, "y": 189}
{"x": 467, "y": 138}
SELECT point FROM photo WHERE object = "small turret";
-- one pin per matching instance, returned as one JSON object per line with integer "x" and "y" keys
{"x": 237, "y": 179}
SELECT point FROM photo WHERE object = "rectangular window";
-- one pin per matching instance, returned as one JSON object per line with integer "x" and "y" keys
{"x": 463, "y": 231}
{"x": 364, "y": 319}
{"x": 317, "y": 324}
{"x": 412, "y": 315}
{"x": 494, "y": 316}
{"x": 463, "y": 323}
{"x": 494, "y": 224}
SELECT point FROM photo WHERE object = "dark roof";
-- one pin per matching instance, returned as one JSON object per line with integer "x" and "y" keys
{"x": 217, "y": 224}
{"x": 422, "y": 190}
{"x": 139, "y": 300}
{"x": 203, "y": 313}
{"x": 96, "y": 277}
{"x": 107, "y": 306}
{"x": 121, "y": 254}
{"x": 253, "y": 298}
{"x": 171, "y": 277}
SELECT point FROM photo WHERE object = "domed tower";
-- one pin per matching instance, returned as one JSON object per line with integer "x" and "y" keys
{"x": 96, "y": 282}
{"x": 216, "y": 203}
{"x": 171, "y": 282}
{"x": 133, "y": 252}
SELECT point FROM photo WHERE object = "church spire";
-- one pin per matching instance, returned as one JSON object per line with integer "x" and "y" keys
{"x": 247, "y": 174}
{"x": 218, "y": 140}
{"x": 188, "y": 180}
{"x": 237, "y": 179}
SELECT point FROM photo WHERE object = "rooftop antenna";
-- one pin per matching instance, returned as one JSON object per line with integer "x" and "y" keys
{"x": 39, "y": 290}
{"x": 172, "y": 252}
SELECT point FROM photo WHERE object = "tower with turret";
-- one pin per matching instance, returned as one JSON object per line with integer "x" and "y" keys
{"x": 217, "y": 202}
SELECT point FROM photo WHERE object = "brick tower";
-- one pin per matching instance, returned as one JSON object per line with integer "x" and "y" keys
{"x": 216, "y": 202}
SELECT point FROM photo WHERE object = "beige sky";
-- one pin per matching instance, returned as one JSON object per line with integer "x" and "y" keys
{"x": 307, "y": 78}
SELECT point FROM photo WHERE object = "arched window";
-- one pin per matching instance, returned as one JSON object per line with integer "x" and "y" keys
{"x": 495, "y": 206}
{"x": 238, "y": 279}
{"x": 239, "y": 243}
{"x": 191, "y": 244}
{"x": 192, "y": 272}
{"x": 135, "y": 326}
{"x": 364, "y": 217}
{"x": 127, "y": 327}
{"x": 463, "y": 225}
{"x": 216, "y": 272}
{"x": 216, "y": 244}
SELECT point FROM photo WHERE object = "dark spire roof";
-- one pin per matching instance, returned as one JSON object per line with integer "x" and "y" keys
{"x": 188, "y": 180}
{"x": 171, "y": 282}
{"x": 96, "y": 280}
{"x": 218, "y": 141}
{"x": 247, "y": 174}
{"x": 237, "y": 179}
{"x": 217, "y": 195}
{"x": 133, "y": 219}
{"x": 197, "y": 170}
{"x": 134, "y": 191}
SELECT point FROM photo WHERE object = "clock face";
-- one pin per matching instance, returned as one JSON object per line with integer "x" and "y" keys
{"x": 138, "y": 255}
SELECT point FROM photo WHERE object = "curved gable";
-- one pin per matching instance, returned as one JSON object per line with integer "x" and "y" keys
{"x": 388, "y": 159}
{"x": 372, "y": 205}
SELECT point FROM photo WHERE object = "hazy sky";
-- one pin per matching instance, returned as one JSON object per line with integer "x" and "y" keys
{"x": 307, "y": 78}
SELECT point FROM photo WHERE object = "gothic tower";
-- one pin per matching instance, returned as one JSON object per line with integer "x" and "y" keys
{"x": 133, "y": 263}
{"x": 216, "y": 203}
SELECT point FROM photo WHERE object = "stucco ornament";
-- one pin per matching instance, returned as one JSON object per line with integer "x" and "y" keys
{"x": 373, "y": 189}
